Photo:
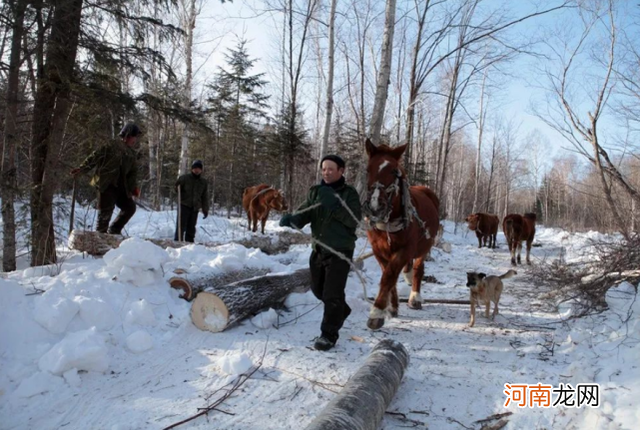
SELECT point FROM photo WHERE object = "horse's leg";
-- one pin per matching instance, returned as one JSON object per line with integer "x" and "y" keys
{"x": 388, "y": 281}
{"x": 479, "y": 236}
{"x": 264, "y": 221}
{"x": 512, "y": 250}
{"x": 519, "y": 251}
{"x": 407, "y": 272}
{"x": 249, "y": 220}
{"x": 529, "y": 242}
{"x": 393, "y": 303}
{"x": 415, "y": 300}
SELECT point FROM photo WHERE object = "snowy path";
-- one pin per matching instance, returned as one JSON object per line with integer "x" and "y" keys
{"x": 456, "y": 374}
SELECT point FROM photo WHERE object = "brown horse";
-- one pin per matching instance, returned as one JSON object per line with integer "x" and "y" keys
{"x": 516, "y": 229}
{"x": 404, "y": 223}
{"x": 257, "y": 201}
{"x": 485, "y": 226}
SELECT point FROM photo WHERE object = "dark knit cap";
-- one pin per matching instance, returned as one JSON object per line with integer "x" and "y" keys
{"x": 130, "y": 129}
{"x": 197, "y": 164}
{"x": 336, "y": 159}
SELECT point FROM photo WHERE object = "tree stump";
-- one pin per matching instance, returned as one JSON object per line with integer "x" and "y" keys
{"x": 217, "y": 307}
{"x": 363, "y": 401}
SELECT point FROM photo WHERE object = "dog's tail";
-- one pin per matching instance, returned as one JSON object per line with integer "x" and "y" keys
{"x": 508, "y": 275}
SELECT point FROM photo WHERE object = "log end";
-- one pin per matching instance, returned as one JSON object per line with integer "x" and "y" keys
{"x": 184, "y": 285}
{"x": 209, "y": 313}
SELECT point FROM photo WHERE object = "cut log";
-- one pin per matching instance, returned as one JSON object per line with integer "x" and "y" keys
{"x": 191, "y": 285}
{"x": 94, "y": 243}
{"x": 217, "y": 308}
{"x": 362, "y": 402}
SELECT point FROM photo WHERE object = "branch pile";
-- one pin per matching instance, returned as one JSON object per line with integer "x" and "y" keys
{"x": 586, "y": 284}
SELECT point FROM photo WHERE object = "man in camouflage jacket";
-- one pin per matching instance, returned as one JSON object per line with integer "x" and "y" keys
{"x": 115, "y": 178}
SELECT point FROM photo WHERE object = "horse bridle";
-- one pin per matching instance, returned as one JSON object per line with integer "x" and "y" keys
{"x": 390, "y": 191}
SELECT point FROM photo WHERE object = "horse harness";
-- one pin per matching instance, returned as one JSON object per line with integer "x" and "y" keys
{"x": 409, "y": 212}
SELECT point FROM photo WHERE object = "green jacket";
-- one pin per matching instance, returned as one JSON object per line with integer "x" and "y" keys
{"x": 335, "y": 228}
{"x": 114, "y": 163}
{"x": 193, "y": 192}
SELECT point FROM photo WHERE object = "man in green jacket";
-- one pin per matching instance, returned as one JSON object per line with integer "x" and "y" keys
{"x": 115, "y": 178}
{"x": 333, "y": 209}
{"x": 194, "y": 195}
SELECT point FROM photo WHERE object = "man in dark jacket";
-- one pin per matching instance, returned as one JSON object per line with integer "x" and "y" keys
{"x": 194, "y": 196}
{"x": 333, "y": 209}
{"x": 115, "y": 178}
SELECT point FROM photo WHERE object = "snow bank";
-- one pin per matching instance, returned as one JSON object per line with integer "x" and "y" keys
{"x": 83, "y": 350}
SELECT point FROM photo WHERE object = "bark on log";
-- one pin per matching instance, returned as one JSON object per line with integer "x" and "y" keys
{"x": 94, "y": 243}
{"x": 362, "y": 402}
{"x": 191, "y": 285}
{"x": 217, "y": 308}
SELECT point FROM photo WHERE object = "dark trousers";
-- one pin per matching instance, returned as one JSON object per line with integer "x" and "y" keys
{"x": 188, "y": 221}
{"x": 328, "y": 281}
{"x": 107, "y": 201}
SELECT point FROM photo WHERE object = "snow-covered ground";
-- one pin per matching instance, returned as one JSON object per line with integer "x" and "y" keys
{"x": 109, "y": 345}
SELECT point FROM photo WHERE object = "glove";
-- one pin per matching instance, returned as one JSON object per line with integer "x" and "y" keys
{"x": 328, "y": 198}
{"x": 205, "y": 214}
{"x": 75, "y": 171}
{"x": 136, "y": 192}
{"x": 285, "y": 221}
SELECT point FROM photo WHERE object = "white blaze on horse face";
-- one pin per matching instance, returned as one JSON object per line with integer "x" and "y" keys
{"x": 374, "y": 199}
{"x": 383, "y": 165}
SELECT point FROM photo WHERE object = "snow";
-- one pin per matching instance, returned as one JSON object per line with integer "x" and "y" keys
{"x": 235, "y": 363}
{"x": 82, "y": 350}
{"x": 106, "y": 343}
{"x": 54, "y": 312}
{"x": 265, "y": 319}
{"x": 139, "y": 341}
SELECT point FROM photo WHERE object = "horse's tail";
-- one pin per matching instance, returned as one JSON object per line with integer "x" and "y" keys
{"x": 508, "y": 227}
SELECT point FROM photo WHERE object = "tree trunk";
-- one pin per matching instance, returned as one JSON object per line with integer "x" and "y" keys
{"x": 329, "y": 107}
{"x": 190, "y": 25}
{"x": 363, "y": 401}
{"x": 9, "y": 174}
{"x": 476, "y": 187}
{"x": 384, "y": 72}
{"x": 191, "y": 285}
{"x": 51, "y": 108}
{"x": 217, "y": 308}
{"x": 96, "y": 244}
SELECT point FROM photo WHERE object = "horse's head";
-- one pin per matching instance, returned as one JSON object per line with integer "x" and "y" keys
{"x": 384, "y": 180}
{"x": 277, "y": 201}
{"x": 472, "y": 221}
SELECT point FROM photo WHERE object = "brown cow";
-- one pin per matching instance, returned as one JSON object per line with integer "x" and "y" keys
{"x": 257, "y": 201}
{"x": 516, "y": 229}
{"x": 485, "y": 226}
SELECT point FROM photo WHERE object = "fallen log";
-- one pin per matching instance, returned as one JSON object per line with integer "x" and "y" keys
{"x": 217, "y": 308}
{"x": 97, "y": 244}
{"x": 191, "y": 285}
{"x": 363, "y": 401}
{"x": 434, "y": 301}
